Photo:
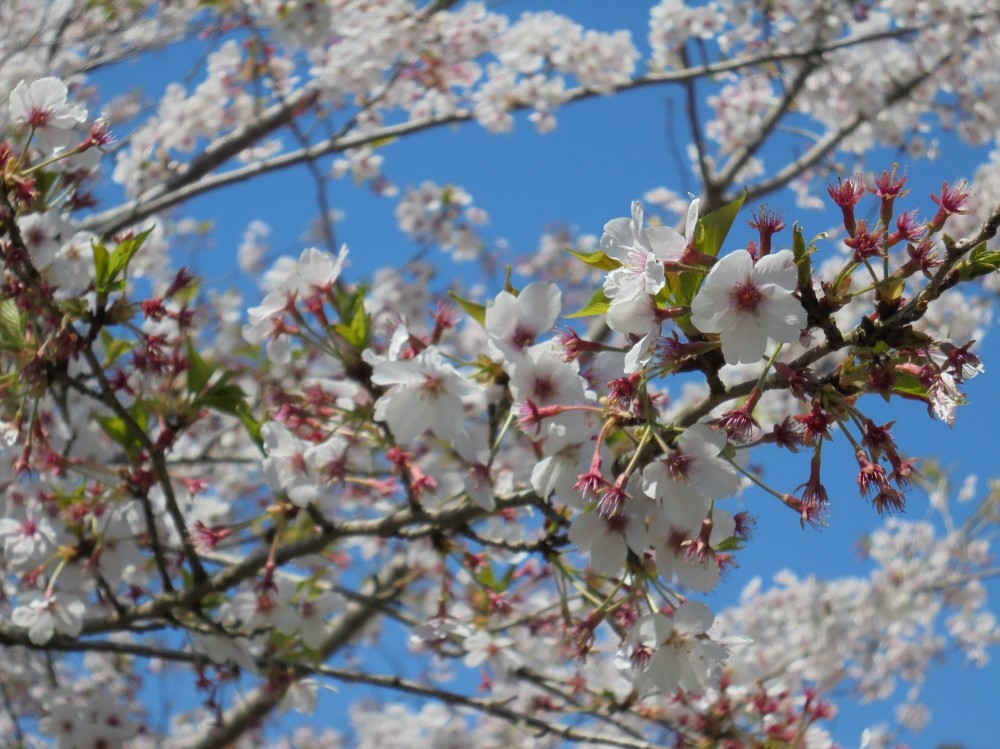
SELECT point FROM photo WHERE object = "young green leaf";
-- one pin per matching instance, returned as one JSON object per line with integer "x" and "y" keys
{"x": 980, "y": 262}
{"x": 356, "y": 333}
{"x": 199, "y": 371}
{"x": 598, "y": 305}
{"x": 476, "y": 311}
{"x": 596, "y": 259}
{"x": 713, "y": 228}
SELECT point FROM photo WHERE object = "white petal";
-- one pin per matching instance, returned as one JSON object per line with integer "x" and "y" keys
{"x": 784, "y": 317}
{"x": 666, "y": 243}
{"x": 778, "y": 268}
{"x": 745, "y": 343}
{"x": 693, "y": 617}
{"x": 541, "y": 303}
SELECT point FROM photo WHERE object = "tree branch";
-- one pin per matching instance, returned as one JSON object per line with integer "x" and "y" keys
{"x": 194, "y": 179}
{"x": 385, "y": 586}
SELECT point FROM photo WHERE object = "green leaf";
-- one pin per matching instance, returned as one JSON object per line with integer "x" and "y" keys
{"x": 358, "y": 331}
{"x": 476, "y": 311}
{"x": 598, "y": 305}
{"x": 114, "y": 348}
{"x": 199, "y": 371}
{"x": 380, "y": 142}
{"x": 140, "y": 415}
{"x": 488, "y": 579}
{"x": 224, "y": 397}
{"x": 125, "y": 250}
{"x": 730, "y": 544}
{"x": 109, "y": 266}
{"x": 714, "y": 227}
{"x": 101, "y": 264}
{"x": 596, "y": 259}
{"x": 801, "y": 254}
{"x": 909, "y": 384}
{"x": 681, "y": 287}
{"x": 509, "y": 287}
{"x": 252, "y": 426}
{"x": 115, "y": 428}
{"x": 13, "y": 324}
{"x": 980, "y": 262}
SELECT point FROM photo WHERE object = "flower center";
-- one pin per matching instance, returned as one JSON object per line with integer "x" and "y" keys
{"x": 746, "y": 297}
{"x": 522, "y": 338}
{"x": 39, "y": 117}
{"x": 638, "y": 259}
{"x": 679, "y": 464}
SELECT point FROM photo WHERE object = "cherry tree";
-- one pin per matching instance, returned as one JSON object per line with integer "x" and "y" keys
{"x": 222, "y": 505}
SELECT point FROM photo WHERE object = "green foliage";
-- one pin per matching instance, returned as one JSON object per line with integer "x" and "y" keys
{"x": 980, "y": 262}
{"x": 357, "y": 331}
{"x": 476, "y": 311}
{"x": 713, "y": 228}
{"x": 710, "y": 235}
{"x": 13, "y": 326}
{"x": 596, "y": 259}
{"x": 110, "y": 267}
{"x": 598, "y": 305}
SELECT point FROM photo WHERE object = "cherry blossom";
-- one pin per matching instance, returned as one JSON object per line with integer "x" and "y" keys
{"x": 642, "y": 254}
{"x": 45, "y": 615}
{"x": 42, "y": 105}
{"x": 256, "y": 489}
{"x": 515, "y": 322}
{"x": 423, "y": 393}
{"x": 665, "y": 652}
{"x": 746, "y": 303}
{"x": 609, "y": 536}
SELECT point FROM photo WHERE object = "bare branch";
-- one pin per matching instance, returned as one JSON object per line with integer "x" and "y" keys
{"x": 195, "y": 179}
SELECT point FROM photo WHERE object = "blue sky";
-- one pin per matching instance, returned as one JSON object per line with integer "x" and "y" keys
{"x": 605, "y": 153}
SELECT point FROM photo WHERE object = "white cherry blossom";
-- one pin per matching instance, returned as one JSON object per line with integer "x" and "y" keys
{"x": 423, "y": 393}
{"x": 665, "y": 653}
{"x": 746, "y": 303}
{"x": 42, "y": 105}
{"x": 514, "y": 323}
{"x": 48, "y": 614}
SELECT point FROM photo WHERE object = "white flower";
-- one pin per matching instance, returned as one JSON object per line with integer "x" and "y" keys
{"x": 671, "y": 545}
{"x": 302, "y": 696}
{"x": 608, "y": 539}
{"x": 543, "y": 377}
{"x": 423, "y": 393}
{"x": 285, "y": 466}
{"x": 266, "y": 325}
{"x": 264, "y": 609}
{"x": 314, "y": 612}
{"x": 944, "y": 398}
{"x": 642, "y": 253}
{"x": 746, "y": 303}
{"x": 634, "y": 312}
{"x": 694, "y": 463}
{"x": 42, "y": 234}
{"x": 45, "y": 615}
{"x": 319, "y": 270}
{"x": 568, "y": 454}
{"x": 27, "y": 538}
{"x": 483, "y": 647}
{"x": 102, "y": 721}
{"x": 665, "y": 653}
{"x": 42, "y": 105}
{"x": 515, "y": 322}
